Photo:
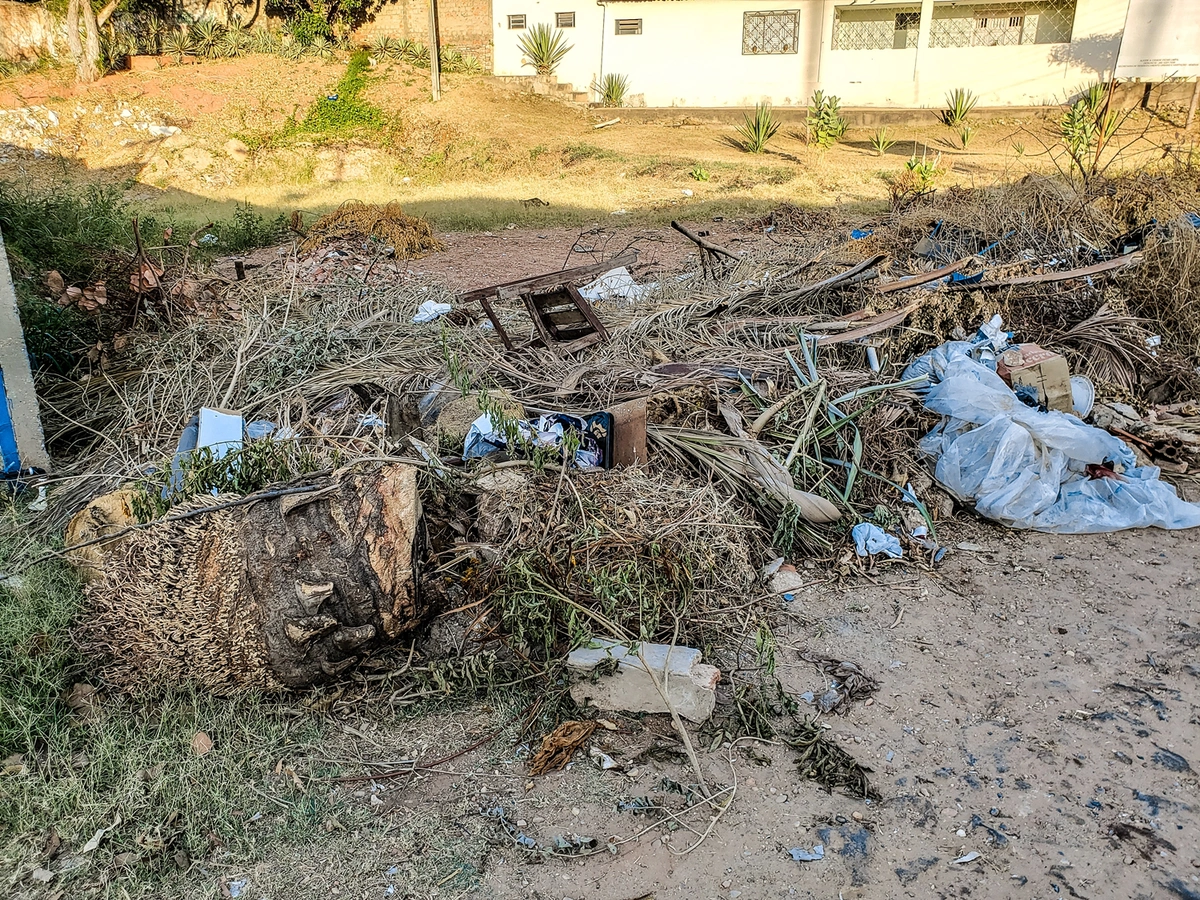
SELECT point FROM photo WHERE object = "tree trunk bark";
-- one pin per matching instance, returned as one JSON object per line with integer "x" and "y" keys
{"x": 87, "y": 69}
{"x": 282, "y": 593}
{"x": 73, "y": 44}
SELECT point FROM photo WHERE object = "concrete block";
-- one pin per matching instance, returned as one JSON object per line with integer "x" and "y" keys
{"x": 689, "y": 683}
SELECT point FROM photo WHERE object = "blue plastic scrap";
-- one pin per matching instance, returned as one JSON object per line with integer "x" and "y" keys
{"x": 859, "y": 233}
{"x": 871, "y": 540}
{"x": 799, "y": 854}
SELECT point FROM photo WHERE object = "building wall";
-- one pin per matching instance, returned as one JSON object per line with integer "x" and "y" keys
{"x": 690, "y": 54}
{"x": 1026, "y": 75}
{"x": 26, "y": 31}
{"x": 463, "y": 24}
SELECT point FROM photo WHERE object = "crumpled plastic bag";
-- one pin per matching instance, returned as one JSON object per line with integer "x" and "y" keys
{"x": 871, "y": 539}
{"x": 1027, "y": 469}
{"x": 430, "y": 310}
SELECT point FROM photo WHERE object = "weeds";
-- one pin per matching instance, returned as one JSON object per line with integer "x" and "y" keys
{"x": 824, "y": 121}
{"x": 960, "y": 103}
{"x": 344, "y": 111}
{"x": 881, "y": 141}
{"x": 699, "y": 173}
{"x": 757, "y": 131}
{"x": 1088, "y": 127}
{"x": 965, "y": 133}
{"x": 544, "y": 48}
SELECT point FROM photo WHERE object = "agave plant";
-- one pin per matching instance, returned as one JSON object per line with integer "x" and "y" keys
{"x": 544, "y": 48}
{"x": 321, "y": 47}
{"x": 292, "y": 51}
{"x": 263, "y": 41}
{"x": 235, "y": 42}
{"x": 959, "y": 104}
{"x": 207, "y": 35}
{"x": 450, "y": 59}
{"x": 178, "y": 44}
{"x": 882, "y": 141}
{"x": 385, "y": 47}
{"x": 613, "y": 89}
{"x": 417, "y": 54}
{"x": 756, "y": 131}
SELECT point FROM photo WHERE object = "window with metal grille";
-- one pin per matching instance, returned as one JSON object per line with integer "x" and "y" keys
{"x": 775, "y": 31}
{"x": 876, "y": 28}
{"x": 958, "y": 24}
{"x": 629, "y": 26}
{"x": 516, "y": 22}
{"x": 564, "y": 20}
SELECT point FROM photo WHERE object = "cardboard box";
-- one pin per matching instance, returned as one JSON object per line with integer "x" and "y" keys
{"x": 1043, "y": 370}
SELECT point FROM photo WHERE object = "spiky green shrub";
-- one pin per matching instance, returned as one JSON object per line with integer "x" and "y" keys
{"x": 757, "y": 130}
{"x": 208, "y": 35}
{"x": 178, "y": 44}
{"x": 881, "y": 141}
{"x": 544, "y": 48}
{"x": 959, "y": 105}
{"x": 612, "y": 89}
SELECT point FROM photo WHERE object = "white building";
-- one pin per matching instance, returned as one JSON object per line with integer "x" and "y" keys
{"x": 712, "y": 53}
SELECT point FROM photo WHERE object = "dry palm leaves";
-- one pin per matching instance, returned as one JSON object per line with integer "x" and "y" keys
{"x": 560, "y": 745}
{"x": 1111, "y": 347}
{"x": 411, "y": 236}
{"x": 825, "y": 762}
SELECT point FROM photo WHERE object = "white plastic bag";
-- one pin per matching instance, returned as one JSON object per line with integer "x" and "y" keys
{"x": 1027, "y": 468}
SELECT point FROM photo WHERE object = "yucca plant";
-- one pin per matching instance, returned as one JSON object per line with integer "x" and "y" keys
{"x": 922, "y": 171}
{"x": 544, "y": 48}
{"x": 450, "y": 59}
{"x": 959, "y": 105}
{"x": 292, "y": 51}
{"x": 1094, "y": 96}
{"x": 965, "y": 133}
{"x": 612, "y": 89}
{"x": 756, "y": 131}
{"x": 824, "y": 120}
{"x": 881, "y": 141}
{"x": 178, "y": 44}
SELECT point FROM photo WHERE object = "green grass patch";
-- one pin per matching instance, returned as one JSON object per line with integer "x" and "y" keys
{"x": 344, "y": 112}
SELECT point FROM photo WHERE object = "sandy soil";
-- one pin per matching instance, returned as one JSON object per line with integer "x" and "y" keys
{"x": 1038, "y": 707}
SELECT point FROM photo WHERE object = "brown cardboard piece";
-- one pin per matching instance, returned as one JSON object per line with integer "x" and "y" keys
{"x": 629, "y": 433}
{"x": 1044, "y": 370}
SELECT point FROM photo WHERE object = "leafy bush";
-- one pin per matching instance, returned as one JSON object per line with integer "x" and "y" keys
{"x": 306, "y": 26}
{"x": 825, "y": 123}
{"x": 248, "y": 230}
{"x": 699, "y": 173}
{"x": 923, "y": 172}
{"x": 612, "y": 89}
{"x": 544, "y": 48}
{"x": 207, "y": 35}
{"x": 959, "y": 105}
{"x": 756, "y": 131}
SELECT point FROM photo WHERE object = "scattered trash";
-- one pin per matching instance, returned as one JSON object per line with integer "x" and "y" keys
{"x": 1083, "y": 395}
{"x": 430, "y": 310}
{"x": 799, "y": 854}
{"x": 486, "y": 438}
{"x": 870, "y": 540}
{"x": 968, "y": 857}
{"x": 236, "y": 887}
{"x": 1029, "y": 469}
{"x": 859, "y": 233}
{"x": 615, "y": 284}
{"x": 603, "y": 761}
{"x": 641, "y": 673}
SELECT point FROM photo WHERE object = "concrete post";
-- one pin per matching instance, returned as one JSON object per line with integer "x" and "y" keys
{"x": 18, "y": 380}
{"x": 922, "y": 47}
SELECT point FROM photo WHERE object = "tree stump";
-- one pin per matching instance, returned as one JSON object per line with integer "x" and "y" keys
{"x": 281, "y": 593}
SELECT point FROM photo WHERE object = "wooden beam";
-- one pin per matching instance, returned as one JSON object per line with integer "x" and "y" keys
{"x": 1120, "y": 262}
{"x": 513, "y": 289}
{"x": 705, "y": 243}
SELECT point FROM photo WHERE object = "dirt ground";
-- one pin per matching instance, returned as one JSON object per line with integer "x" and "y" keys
{"x": 1034, "y": 736}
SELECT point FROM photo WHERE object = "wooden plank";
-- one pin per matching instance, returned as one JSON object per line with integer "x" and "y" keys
{"x": 868, "y": 327}
{"x": 924, "y": 278}
{"x": 704, "y": 243}
{"x": 495, "y": 320}
{"x": 629, "y": 434}
{"x": 1120, "y": 262}
{"x": 586, "y": 341}
{"x": 586, "y": 308}
{"x": 543, "y": 332}
{"x": 835, "y": 280}
{"x": 570, "y": 316}
{"x": 511, "y": 290}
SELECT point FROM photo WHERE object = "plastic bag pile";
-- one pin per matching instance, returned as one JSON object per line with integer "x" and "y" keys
{"x": 1026, "y": 468}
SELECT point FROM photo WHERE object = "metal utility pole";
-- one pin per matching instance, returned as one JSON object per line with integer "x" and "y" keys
{"x": 435, "y": 52}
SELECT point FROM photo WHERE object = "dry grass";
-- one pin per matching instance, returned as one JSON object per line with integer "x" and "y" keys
{"x": 409, "y": 237}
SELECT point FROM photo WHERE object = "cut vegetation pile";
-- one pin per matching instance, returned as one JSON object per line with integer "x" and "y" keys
{"x": 409, "y": 236}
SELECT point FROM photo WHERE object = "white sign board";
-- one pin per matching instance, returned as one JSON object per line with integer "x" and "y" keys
{"x": 1161, "y": 40}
